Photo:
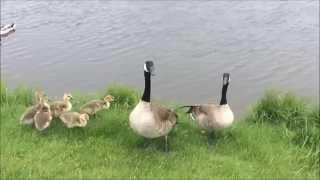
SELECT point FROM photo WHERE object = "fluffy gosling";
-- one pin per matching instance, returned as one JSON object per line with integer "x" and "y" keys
{"x": 74, "y": 119}
{"x": 58, "y": 107}
{"x": 92, "y": 107}
{"x": 27, "y": 117}
{"x": 43, "y": 117}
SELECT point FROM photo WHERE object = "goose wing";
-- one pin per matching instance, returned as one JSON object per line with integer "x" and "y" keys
{"x": 201, "y": 108}
{"x": 162, "y": 114}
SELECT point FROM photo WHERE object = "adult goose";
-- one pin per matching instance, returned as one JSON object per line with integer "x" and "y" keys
{"x": 150, "y": 120}
{"x": 212, "y": 117}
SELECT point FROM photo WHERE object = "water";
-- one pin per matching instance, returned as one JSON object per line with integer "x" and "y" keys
{"x": 86, "y": 45}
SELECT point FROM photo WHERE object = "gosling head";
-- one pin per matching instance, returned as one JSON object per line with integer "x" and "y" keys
{"x": 44, "y": 106}
{"x": 83, "y": 119}
{"x": 149, "y": 67}
{"x": 84, "y": 116}
{"x": 107, "y": 101}
{"x": 108, "y": 98}
{"x": 38, "y": 95}
{"x": 67, "y": 97}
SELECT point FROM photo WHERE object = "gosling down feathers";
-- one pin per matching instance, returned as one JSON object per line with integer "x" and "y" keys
{"x": 74, "y": 119}
{"x": 27, "y": 117}
{"x": 212, "y": 116}
{"x": 149, "y": 120}
{"x": 58, "y": 107}
{"x": 92, "y": 107}
{"x": 43, "y": 117}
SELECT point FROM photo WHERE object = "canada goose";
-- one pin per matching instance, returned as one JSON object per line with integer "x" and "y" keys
{"x": 74, "y": 119}
{"x": 27, "y": 117}
{"x": 43, "y": 117}
{"x": 58, "y": 107}
{"x": 7, "y": 29}
{"x": 212, "y": 117}
{"x": 149, "y": 120}
{"x": 92, "y": 107}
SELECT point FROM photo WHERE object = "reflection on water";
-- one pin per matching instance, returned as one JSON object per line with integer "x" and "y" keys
{"x": 86, "y": 45}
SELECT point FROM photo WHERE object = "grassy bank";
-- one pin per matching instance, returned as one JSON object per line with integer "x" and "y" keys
{"x": 279, "y": 138}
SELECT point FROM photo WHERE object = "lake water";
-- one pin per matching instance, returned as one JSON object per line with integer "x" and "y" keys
{"x": 86, "y": 45}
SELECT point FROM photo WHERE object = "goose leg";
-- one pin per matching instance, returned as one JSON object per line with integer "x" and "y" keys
{"x": 44, "y": 132}
{"x": 166, "y": 145}
{"x": 211, "y": 138}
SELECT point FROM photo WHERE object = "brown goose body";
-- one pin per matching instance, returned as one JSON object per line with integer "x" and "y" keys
{"x": 211, "y": 116}
{"x": 152, "y": 121}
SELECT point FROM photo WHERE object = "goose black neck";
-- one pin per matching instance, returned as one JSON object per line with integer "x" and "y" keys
{"x": 147, "y": 87}
{"x": 223, "y": 100}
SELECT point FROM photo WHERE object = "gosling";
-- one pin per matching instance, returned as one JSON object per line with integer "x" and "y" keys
{"x": 27, "y": 117}
{"x": 92, "y": 107}
{"x": 74, "y": 119}
{"x": 58, "y": 107}
{"x": 43, "y": 117}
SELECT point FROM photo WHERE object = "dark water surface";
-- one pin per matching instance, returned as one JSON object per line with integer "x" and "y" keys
{"x": 86, "y": 45}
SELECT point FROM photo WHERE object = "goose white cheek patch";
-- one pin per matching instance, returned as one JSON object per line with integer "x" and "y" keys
{"x": 145, "y": 68}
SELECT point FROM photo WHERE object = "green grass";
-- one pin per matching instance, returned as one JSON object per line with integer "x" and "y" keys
{"x": 279, "y": 138}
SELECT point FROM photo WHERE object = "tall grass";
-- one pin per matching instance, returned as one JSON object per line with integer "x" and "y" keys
{"x": 299, "y": 117}
{"x": 124, "y": 95}
{"x": 20, "y": 95}
{"x": 279, "y": 139}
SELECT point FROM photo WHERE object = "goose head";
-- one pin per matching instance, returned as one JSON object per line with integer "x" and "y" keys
{"x": 226, "y": 78}
{"x": 149, "y": 67}
{"x": 108, "y": 98}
